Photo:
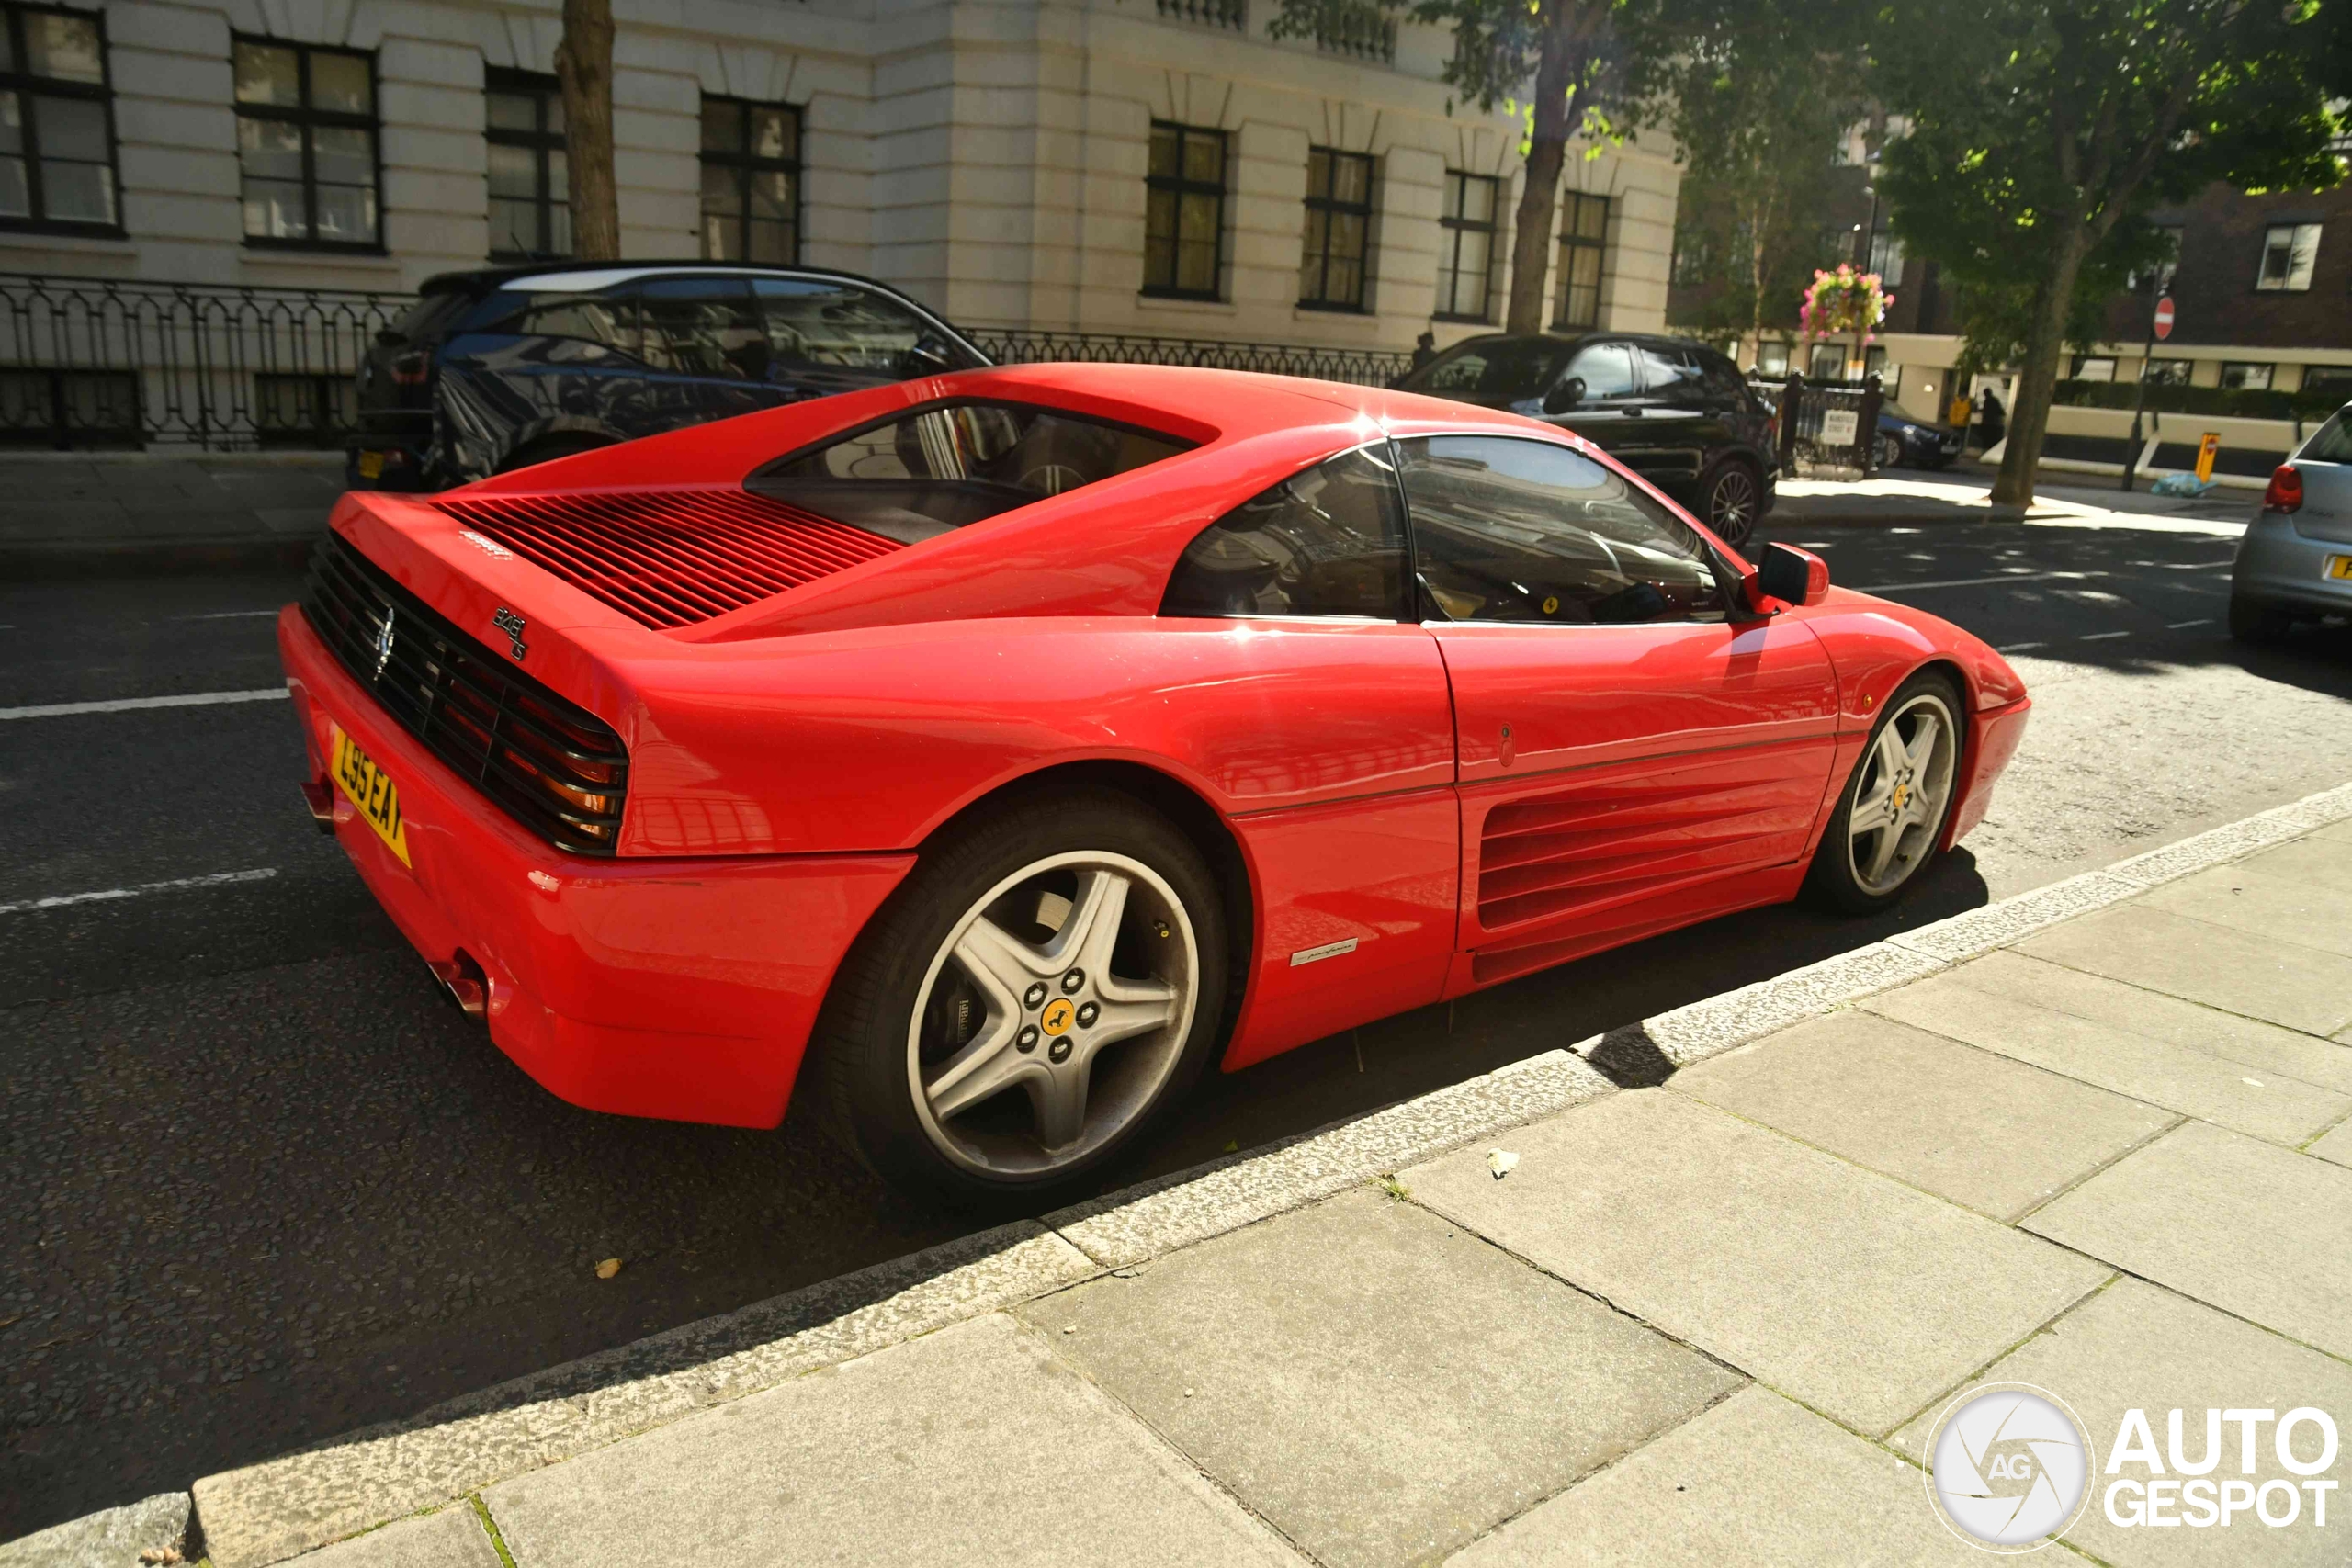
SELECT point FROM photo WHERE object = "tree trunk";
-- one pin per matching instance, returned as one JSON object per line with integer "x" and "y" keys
{"x": 2038, "y": 376}
{"x": 583, "y": 65}
{"x": 1559, "y": 80}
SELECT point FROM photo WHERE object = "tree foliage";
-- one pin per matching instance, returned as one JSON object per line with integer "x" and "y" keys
{"x": 2040, "y": 132}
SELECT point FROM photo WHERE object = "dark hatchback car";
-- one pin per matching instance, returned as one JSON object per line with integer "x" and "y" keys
{"x": 1678, "y": 413}
{"x": 501, "y": 368}
{"x": 1920, "y": 443}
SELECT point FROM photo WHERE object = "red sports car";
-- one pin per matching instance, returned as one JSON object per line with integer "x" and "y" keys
{"x": 1008, "y": 746}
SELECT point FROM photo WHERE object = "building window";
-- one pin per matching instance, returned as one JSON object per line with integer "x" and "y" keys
{"x": 2289, "y": 251}
{"x": 1364, "y": 31}
{"x": 1886, "y": 258}
{"x": 2170, "y": 372}
{"x": 2238, "y": 376}
{"x": 1465, "y": 275}
{"x": 1584, "y": 231}
{"x": 2093, "y": 367}
{"x": 306, "y": 145}
{"x": 750, "y": 181}
{"x": 1183, "y": 226}
{"x": 1772, "y": 359}
{"x": 1339, "y": 229}
{"x": 304, "y": 410}
{"x": 69, "y": 409}
{"x": 2328, "y": 381}
{"x": 530, "y": 185}
{"x": 56, "y": 124}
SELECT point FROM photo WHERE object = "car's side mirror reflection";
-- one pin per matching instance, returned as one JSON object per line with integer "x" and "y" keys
{"x": 1564, "y": 396}
{"x": 1797, "y": 575}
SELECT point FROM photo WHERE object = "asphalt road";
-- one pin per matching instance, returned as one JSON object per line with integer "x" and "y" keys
{"x": 264, "y": 1186}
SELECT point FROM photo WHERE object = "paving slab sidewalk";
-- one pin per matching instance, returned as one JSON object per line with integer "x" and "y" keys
{"x": 1712, "y": 1320}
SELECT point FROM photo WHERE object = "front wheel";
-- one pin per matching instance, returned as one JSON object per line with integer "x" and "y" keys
{"x": 1042, "y": 988}
{"x": 1890, "y": 820}
{"x": 1890, "y": 452}
{"x": 1733, "y": 501}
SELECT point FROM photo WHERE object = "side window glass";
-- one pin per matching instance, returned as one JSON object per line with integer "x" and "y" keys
{"x": 1328, "y": 542}
{"x": 1606, "y": 369}
{"x": 813, "y": 323}
{"x": 1672, "y": 374}
{"x": 1724, "y": 384}
{"x": 607, "y": 317}
{"x": 703, "y": 326}
{"x": 1508, "y": 530}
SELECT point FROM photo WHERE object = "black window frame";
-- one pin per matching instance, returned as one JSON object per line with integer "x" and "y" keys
{"x": 308, "y": 118}
{"x": 2291, "y": 227}
{"x": 1573, "y": 242}
{"x": 1180, "y": 187}
{"x": 24, "y": 84}
{"x": 1452, "y": 226}
{"x": 540, "y": 141}
{"x": 1331, "y": 207}
{"x": 333, "y": 398}
{"x": 743, "y": 163}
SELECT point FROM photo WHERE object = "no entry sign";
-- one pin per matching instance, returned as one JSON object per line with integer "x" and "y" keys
{"x": 2164, "y": 317}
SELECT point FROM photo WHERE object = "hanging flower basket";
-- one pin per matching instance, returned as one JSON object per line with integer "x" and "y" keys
{"x": 1844, "y": 301}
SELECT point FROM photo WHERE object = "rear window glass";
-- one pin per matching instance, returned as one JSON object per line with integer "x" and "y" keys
{"x": 423, "y": 322}
{"x": 1494, "y": 367}
{"x": 925, "y": 473}
{"x": 2330, "y": 442}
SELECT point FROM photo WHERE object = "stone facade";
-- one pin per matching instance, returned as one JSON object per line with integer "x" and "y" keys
{"x": 986, "y": 155}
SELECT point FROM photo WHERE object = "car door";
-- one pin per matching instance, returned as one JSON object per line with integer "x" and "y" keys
{"x": 1680, "y": 422}
{"x": 1296, "y": 605}
{"x": 1630, "y": 757}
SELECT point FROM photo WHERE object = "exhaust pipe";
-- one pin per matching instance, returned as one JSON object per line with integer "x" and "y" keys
{"x": 319, "y": 795}
{"x": 464, "y": 982}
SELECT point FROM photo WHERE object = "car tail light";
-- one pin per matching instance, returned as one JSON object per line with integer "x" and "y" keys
{"x": 2285, "y": 491}
{"x": 408, "y": 370}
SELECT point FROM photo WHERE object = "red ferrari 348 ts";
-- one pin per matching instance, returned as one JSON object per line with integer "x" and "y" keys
{"x": 1006, "y": 747}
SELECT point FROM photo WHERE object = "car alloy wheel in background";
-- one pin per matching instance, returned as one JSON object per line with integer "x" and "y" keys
{"x": 1053, "y": 1014}
{"x": 1890, "y": 452}
{"x": 1731, "y": 504}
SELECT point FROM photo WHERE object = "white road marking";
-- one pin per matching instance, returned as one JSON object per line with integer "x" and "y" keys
{"x": 227, "y": 616}
{"x": 128, "y": 704}
{"x": 216, "y": 879}
{"x": 2100, "y": 637}
{"x": 1981, "y": 581}
{"x": 2177, "y": 625}
{"x": 2020, "y": 647}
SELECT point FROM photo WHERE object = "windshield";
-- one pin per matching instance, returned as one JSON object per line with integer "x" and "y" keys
{"x": 1492, "y": 368}
{"x": 939, "y": 468}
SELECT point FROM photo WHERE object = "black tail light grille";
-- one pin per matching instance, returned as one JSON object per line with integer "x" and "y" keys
{"x": 547, "y": 761}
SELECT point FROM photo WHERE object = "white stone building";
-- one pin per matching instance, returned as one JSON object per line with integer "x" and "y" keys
{"x": 993, "y": 157}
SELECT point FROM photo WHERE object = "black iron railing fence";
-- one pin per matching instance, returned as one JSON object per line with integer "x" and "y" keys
{"x": 1366, "y": 366}
{"x": 1826, "y": 424}
{"x": 94, "y": 361}
{"x": 97, "y": 363}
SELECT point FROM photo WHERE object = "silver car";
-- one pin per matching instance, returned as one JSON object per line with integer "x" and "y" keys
{"x": 2295, "y": 562}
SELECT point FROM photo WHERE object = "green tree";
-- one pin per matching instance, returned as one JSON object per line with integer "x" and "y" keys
{"x": 2038, "y": 130}
{"x": 1586, "y": 69}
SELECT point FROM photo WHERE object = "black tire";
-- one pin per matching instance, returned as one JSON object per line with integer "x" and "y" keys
{"x": 868, "y": 1052}
{"x": 1731, "y": 500}
{"x": 1834, "y": 879}
{"x": 549, "y": 448}
{"x": 2255, "y": 620}
{"x": 1890, "y": 452}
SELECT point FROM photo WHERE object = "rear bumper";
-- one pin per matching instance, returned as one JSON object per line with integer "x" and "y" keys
{"x": 2277, "y": 565}
{"x": 684, "y": 988}
{"x": 1992, "y": 737}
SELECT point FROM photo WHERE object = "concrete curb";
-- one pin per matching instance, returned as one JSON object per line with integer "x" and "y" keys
{"x": 267, "y": 1512}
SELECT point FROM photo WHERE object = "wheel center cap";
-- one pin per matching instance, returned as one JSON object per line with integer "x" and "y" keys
{"x": 1902, "y": 795}
{"x": 1058, "y": 1015}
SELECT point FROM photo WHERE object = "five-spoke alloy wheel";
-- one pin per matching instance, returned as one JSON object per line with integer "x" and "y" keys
{"x": 1890, "y": 820}
{"x": 1733, "y": 502}
{"x": 1048, "y": 980}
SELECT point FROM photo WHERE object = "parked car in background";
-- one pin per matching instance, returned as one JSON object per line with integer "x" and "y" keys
{"x": 1676, "y": 412}
{"x": 501, "y": 368}
{"x": 2294, "y": 561}
{"x": 1918, "y": 443}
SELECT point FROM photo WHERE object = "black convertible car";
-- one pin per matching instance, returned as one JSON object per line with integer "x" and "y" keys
{"x": 501, "y": 368}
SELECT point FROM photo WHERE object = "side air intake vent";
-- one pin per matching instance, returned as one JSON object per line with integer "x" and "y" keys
{"x": 671, "y": 558}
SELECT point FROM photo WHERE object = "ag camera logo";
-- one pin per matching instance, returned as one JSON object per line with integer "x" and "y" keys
{"x": 2008, "y": 1466}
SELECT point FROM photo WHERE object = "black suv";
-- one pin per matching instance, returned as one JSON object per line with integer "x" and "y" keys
{"x": 501, "y": 368}
{"x": 1676, "y": 412}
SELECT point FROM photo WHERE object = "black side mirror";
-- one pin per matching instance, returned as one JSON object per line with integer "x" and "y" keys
{"x": 1789, "y": 573}
{"x": 1564, "y": 396}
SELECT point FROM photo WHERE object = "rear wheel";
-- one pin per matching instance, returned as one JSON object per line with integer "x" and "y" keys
{"x": 2257, "y": 620}
{"x": 1890, "y": 820}
{"x": 1890, "y": 452}
{"x": 1731, "y": 501}
{"x": 1041, "y": 990}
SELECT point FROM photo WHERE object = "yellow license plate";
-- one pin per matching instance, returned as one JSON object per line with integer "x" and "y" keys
{"x": 371, "y": 790}
{"x": 2340, "y": 566}
{"x": 371, "y": 464}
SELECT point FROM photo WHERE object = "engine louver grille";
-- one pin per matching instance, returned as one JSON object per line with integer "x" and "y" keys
{"x": 547, "y": 761}
{"x": 672, "y": 558}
